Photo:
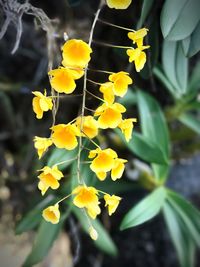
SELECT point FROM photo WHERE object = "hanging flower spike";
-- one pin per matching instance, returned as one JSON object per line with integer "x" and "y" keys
{"x": 49, "y": 178}
{"x": 121, "y": 82}
{"x": 107, "y": 89}
{"x": 110, "y": 115}
{"x": 62, "y": 80}
{"x": 90, "y": 126}
{"x": 126, "y": 127}
{"x": 119, "y": 4}
{"x": 103, "y": 162}
{"x": 87, "y": 197}
{"x": 52, "y": 214}
{"x": 76, "y": 53}
{"x": 93, "y": 233}
{"x": 42, "y": 144}
{"x": 65, "y": 136}
{"x": 112, "y": 202}
{"x": 118, "y": 169}
{"x": 41, "y": 103}
{"x": 138, "y": 36}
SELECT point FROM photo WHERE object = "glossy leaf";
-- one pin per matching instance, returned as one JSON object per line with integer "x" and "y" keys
{"x": 188, "y": 214}
{"x": 146, "y": 7}
{"x": 145, "y": 210}
{"x": 179, "y": 18}
{"x": 175, "y": 65}
{"x": 182, "y": 241}
{"x": 190, "y": 121}
{"x": 34, "y": 217}
{"x": 194, "y": 83}
{"x": 104, "y": 241}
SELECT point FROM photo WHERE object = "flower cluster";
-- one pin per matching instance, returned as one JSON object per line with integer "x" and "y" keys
{"x": 109, "y": 114}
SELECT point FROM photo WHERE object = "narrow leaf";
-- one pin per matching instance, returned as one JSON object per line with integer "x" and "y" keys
{"x": 190, "y": 121}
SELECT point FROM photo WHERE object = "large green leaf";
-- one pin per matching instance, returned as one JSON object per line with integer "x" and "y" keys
{"x": 104, "y": 241}
{"x": 146, "y": 7}
{"x": 144, "y": 148}
{"x": 191, "y": 45}
{"x": 181, "y": 239}
{"x": 46, "y": 235}
{"x": 179, "y": 18}
{"x": 145, "y": 210}
{"x": 60, "y": 155}
{"x": 33, "y": 218}
{"x": 190, "y": 121}
{"x": 194, "y": 82}
{"x": 153, "y": 123}
{"x": 175, "y": 66}
{"x": 188, "y": 214}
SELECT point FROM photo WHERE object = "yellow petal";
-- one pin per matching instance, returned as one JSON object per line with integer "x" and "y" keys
{"x": 112, "y": 202}
{"x": 118, "y": 169}
{"x": 119, "y": 4}
{"x": 93, "y": 233}
{"x": 52, "y": 214}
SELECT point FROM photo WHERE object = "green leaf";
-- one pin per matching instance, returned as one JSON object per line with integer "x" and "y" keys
{"x": 146, "y": 7}
{"x": 59, "y": 155}
{"x": 33, "y": 218}
{"x": 104, "y": 241}
{"x": 191, "y": 44}
{"x": 175, "y": 66}
{"x": 145, "y": 210}
{"x": 190, "y": 121}
{"x": 144, "y": 148}
{"x": 179, "y": 18}
{"x": 182, "y": 241}
{"x": 45, "y": 237}
{"x": 194, "y": 83}
{"x": 153, "y": 123}
{"x": 160, "y": 171}
{"x": 189, "y": 215}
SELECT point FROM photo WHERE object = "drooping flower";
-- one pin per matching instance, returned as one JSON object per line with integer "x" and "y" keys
{"x": 90, "y": 126}
{"x": 52, "y": 214}
{"x": 138, "y": 56}
{"x": 110, "y": 115}
{"x": 138, "y": 36}
{"x": 119, "y": 4}
{"x": 104, "y": 161}
{"x": 41, "y": 103}
{"x": 87, "y": 197}
{"x": 112, "y": 202}
{"x": 118, "y": 169}
{"x": 49, "y": 178}
{"x": 107, "y": 89}
{"x": 121, "y": 82}
{"x": 42, "y": 144}
{"x": 65, "y": 136}
{"x": 76, "y": 53}
{"x": 126, "y": 127}
{"x": 62, "y": 80}
{"x": 93, "y": 233}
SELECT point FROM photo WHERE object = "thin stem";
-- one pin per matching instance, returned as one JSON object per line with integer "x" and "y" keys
{"x": 64, "y": 161}
{"x": 102, "y": 71}
{"x": 84, "y": 94}
{"x": 90, "y": 139}
{"x": 116, "y": 26}
{"x": 89, "y": 109}
{"x": 94, "y": 95}
{"x": 86, "y": 162}
{"x": 94, "y": 82}
{"x": 112, "y": 45}
{"x": 63, "y": 199}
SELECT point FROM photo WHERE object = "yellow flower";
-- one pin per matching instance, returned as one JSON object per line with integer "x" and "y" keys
{"x": 138, "y": 36}
{"x": 119, "y": 4}
{"x": 65, "y": 136}
{"x": 42, "y": 144}
{"x": 52, "y": 214}
{"x": 49, "y": 178}
{"x": 103, "y": 162}
{"x": 41, "y": 103}
{"x": 112, "y": 202}
{"x": 138, "y": 56}
{"x": 110, "y": 115}
{"x": 93, "y": 233}
{"x": 107, "y": 89}
{"x": 90, "y": 126}
{"x": 126, "y": 127}
{"x": 62, "y": 80}
{"x": 121, "y": 82}
{"x": 76, "y": 53}
{"x": 118, "y": 169}
{"x": 86, "y": 197}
